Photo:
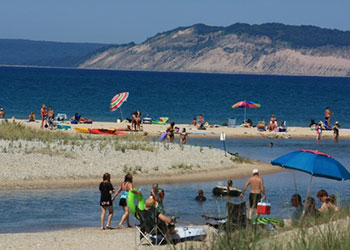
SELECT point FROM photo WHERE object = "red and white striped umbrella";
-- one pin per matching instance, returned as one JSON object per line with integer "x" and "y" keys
{"x": 118, "y": 100}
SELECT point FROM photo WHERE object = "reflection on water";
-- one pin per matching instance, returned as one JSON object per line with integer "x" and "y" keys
{"x": 40, "y": 210}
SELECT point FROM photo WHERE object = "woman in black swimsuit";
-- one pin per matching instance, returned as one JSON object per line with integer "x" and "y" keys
{"x": 170, "y": 132}
{"x": 106, "y": 189}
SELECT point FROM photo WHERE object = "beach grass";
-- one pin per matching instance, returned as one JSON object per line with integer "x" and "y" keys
{"x": 14, "y": 131}
{"x": 330, "y": 231}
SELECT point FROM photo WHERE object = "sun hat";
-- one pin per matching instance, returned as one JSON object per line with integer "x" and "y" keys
{"x": 150, "y": 203}
{"x": 255, "y": 171}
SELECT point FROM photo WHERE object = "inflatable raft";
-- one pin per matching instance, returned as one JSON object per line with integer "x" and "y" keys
{"x": 220, "y": 191}
{"x": 182, "y": 234}
{"x": 81, "y": 129}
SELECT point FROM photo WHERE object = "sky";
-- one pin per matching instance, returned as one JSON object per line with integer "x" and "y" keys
{"x": 124, "y": 21}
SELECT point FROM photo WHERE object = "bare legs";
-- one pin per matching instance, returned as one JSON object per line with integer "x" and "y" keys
{"x": 125, "y": 217}
{"x": 251, "y": 211}
{"x": 103, "y": 214}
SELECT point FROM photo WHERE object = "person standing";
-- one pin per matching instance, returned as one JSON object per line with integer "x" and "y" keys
{"x": 327, "y": 116}
{"x": 106, "y": 189}
{"x": 51, "y": 116}
{"x": 257, "y": 187}
{"x": 335, "y": 129}
{"x": 319, "y": 131}
{"x": 125, "y": 187}
{"x": 43, "y": 114}
{"x": 183, "y": 136}
{"x": 2, "y": 113}
{"x": 170, "y": 132}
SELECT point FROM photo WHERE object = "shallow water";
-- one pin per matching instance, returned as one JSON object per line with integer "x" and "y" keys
{"x": 40, "y": 210}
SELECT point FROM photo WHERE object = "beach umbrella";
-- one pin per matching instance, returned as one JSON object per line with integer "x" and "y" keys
{"x": 246, "y": 105}
{"x": 314, "y": 163}
{"x": 117, "y": 101}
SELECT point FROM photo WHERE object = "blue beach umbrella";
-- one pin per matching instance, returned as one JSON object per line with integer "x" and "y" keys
{"x": 314, "y": 163}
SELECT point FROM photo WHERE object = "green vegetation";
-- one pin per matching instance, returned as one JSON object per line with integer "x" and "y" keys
{"x": 15, "y": 131}
{"x": 330, "y": 231}
{"x": 240, "y": 159}
{"x": 182, "y": 166}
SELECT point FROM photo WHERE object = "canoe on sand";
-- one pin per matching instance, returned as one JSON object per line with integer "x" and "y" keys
{"x": 82, "y": 130}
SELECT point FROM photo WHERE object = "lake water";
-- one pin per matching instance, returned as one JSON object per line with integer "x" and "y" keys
{"x": 180, "y": 96}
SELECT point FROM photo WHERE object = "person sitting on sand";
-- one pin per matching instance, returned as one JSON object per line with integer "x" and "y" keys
{"x": 75, "y": 119}
{"x": 2, "y": 113}
{"x": 312, "y": 125}
{"x": 31, "y": 117}
{"x": 272, "y": 123}
{"x": 106, "y": 188}
{"x": 310, "y": 208}
{"x": 125, "y": 187}
{"x": 200, "y": 197}
{"x": 282, "y": 127}
{"x": 298, "y": 205}
{"x": 183, "y": 136}
{"x": 170, "y": 132}
{"x": 194, "y": 121}
{"x": 327, "y": 205}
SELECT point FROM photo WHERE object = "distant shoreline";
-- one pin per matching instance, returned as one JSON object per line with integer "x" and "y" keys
{"x": 166, "y": 71}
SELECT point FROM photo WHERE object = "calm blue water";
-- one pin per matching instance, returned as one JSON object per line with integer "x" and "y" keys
{"x": 40, "y": 210}
{"x": 180, "y": 96}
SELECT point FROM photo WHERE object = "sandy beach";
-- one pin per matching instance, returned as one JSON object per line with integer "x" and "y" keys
{"x": 213, "y": 131}
{"x": 35, "y": 164}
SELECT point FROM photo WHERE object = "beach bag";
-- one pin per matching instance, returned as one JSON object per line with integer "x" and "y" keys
{"x": 263, "y": 207}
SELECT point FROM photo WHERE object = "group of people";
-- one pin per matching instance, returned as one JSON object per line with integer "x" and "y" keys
{"x": 155, "y": 201}
{"x": 47, "y": 117}
{"x": 326, "y": 125}
{"x": 136, "y": 120}
{"x": 308, "y": 207}
{"x": 171, "y": 130}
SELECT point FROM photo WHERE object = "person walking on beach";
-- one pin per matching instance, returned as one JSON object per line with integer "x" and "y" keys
{"x": 257, "y": 187}
{"x": 43, "y": 114}
{"x": 106, "y": 189}
{"x": 327, "y": 116}
{"x": 183, "y": 136}
{"x": 124, "y": 188}
{"x": 170, "y": 132}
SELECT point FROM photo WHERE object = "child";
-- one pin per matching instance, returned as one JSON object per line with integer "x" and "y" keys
{"x": 318, "y": 131}
{"x": 183, "y": 136}
{"x": 158, "y": 195}
{"x": 336, "y": 132}
{"x": 106, "y": 189}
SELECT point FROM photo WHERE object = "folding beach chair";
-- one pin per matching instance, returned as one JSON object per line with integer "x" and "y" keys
{"x": 152, "y": 230}
{"x": 232, "y": 122}
{"x": 61, "y": 117}
{"x": 235, "y": 217}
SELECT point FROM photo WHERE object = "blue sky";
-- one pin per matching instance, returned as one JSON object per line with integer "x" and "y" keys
{"x": 123, "y": 21}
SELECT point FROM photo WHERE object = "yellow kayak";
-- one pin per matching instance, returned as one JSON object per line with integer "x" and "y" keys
{"x": 82, "y": 129}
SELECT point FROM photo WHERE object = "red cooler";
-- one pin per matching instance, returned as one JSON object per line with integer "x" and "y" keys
{"x": 263, "y": 207}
